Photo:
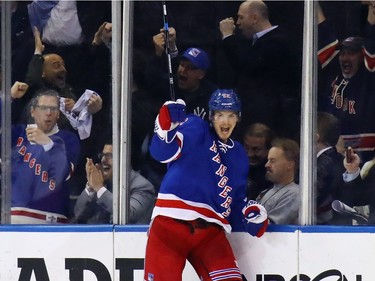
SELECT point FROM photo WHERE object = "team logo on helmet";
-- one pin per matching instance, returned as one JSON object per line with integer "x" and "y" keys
{"x": 224, "y": 99}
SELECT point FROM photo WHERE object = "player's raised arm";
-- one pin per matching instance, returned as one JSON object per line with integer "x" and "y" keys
{"x": 165, "y": 146}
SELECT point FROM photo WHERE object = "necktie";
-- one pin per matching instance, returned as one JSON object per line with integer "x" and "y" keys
{"x": 255, "y": 38}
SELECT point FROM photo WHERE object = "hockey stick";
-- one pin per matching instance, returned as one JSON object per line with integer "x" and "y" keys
{"x": 344, "y": 209}
{"x": 166, "y": 34}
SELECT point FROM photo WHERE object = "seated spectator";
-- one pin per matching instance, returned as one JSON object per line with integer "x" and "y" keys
{"x": 257, "y": 143}
{"x": 282, "y": 201}
{"x": 329, "y": 166}
{"x": 94, "y": 205}
{"x": 359, "y": 188}
{"x": 191, "y": 84}
{"x": 43, "y": 159}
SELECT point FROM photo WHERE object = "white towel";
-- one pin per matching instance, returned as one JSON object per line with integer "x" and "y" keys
{"x": 80, "y": 118}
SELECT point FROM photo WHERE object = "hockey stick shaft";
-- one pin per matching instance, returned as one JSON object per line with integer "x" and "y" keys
{"x": 168, "y": 50}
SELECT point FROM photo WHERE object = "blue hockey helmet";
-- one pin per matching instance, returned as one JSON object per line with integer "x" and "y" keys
{"x": 224, "y": 99}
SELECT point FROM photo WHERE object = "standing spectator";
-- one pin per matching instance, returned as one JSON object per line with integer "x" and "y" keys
{"x": 267, "y": 69}
{"x": 144, "y": 111}
{"x": 143, "y": 107}
{"x": 95, "y": 204}
{"x": 101, "y": 75}
{"x": 43, "y": 159}
{"x": 257, "y": 143}
{"x": 190, "y": 84}
{"x": 22, "y": 39}
{"x": 202, "y": 194}
{"x": 48, "y": 71}
{"x": 103, "y": 35}
{"x": 329, "y": 166}
{"x": 282, "y": 201}
{"x": 190, "y": 81}
{"x": 67, "y": 28}
{"x": 348, "y": 92}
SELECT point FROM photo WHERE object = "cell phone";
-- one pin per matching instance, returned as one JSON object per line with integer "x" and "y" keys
{"x": 348, "y": 155}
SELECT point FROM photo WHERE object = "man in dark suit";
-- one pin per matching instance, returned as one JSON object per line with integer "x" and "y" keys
{"x": 266, "y": 68}
{"x": 330, "y": 168}
{"x": 358, "y": 191}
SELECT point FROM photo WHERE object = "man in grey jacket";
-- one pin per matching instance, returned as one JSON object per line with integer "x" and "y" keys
{"x": 94, "y": 205}
{"x": 282, "y": 201}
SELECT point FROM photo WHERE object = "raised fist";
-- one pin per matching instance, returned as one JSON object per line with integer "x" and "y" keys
{"x": 171, "y": 114}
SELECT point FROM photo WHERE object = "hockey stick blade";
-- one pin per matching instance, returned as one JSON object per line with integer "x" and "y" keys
{"x": 344, "y": 209}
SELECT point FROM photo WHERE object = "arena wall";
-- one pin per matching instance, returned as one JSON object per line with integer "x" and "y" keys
{"x": 109, "y": 253}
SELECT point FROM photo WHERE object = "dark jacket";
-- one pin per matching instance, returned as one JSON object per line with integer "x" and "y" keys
{"x": 329, "y": 181}
{"x": 267, "y": 78}
{"x": 360, "y": 192}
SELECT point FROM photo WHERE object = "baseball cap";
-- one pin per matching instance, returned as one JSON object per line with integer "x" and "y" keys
{"x": 354, "y": 44}
{"x": 197, "y": 57}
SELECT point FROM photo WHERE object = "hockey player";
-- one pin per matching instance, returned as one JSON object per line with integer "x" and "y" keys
{"x": 202, "y": 194}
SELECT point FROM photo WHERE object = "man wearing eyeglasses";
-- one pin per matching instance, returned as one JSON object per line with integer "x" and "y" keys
{"x": 43, "y": 159}
{"x": 95, "y": 204}
{"x": 257, "y": 143}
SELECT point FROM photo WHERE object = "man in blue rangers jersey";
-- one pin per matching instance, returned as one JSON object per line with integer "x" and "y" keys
{"x": 43, "y": 158}
{"x": 202, "y": 195}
